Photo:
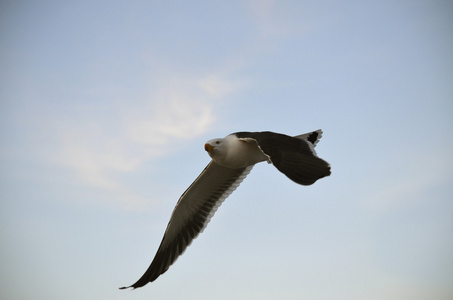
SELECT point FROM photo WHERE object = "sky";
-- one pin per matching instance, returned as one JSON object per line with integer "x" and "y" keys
{"x": 105, "y": 107}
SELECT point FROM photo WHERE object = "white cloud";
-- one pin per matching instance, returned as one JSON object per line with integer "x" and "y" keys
{"x": 177, "y": 117}
{"x": 99, "y": 152}
{"x": 93, "y": 156}
{"x": 216, "y": 86}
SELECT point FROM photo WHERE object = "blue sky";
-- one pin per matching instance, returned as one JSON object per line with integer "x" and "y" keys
{"x": 106, "y": 106}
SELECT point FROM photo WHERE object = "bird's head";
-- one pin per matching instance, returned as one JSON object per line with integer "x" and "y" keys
{"x": 215, "y": 148}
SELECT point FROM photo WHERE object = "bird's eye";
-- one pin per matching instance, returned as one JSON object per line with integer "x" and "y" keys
{"x": 217, "y": 142}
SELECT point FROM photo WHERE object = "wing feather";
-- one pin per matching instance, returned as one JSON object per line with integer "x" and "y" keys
{"x": 191, "y": 215}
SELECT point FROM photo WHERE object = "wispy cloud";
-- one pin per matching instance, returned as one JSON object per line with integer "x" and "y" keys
{"x": 178, "y": 116}
{"x": 98, "y": 152}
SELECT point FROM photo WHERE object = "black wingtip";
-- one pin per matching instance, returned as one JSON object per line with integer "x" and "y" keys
{"x": 125, "y": 287}
{"x": 313, "y": 137}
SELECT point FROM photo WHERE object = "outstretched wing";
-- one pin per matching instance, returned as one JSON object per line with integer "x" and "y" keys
{"x": 192, "y": 213}
{"x": 293, "y": 156}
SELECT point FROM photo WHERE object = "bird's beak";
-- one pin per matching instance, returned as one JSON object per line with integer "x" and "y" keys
{"x": 208, "y": 147}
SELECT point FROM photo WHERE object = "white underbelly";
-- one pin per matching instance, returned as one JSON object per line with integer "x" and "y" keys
{"x": 244, "y": 154}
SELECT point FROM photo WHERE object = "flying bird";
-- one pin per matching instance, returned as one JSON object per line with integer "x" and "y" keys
{"x": 233, "y": 157}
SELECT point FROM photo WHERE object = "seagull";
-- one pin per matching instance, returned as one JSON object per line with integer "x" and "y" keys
{"x": 233, "y": 157}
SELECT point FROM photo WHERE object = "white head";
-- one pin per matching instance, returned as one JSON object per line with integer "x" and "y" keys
{"x": 234, "y": 153}
{"x": 216, "y": 148}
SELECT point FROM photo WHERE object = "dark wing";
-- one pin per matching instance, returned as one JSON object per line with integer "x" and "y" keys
{"x": 293, "y": 156}
{"x": 192, "y": 213}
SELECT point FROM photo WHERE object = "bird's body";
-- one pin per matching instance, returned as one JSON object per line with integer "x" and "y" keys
{"x": 235, "y": 153}
{"x": 233, "y": 157}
